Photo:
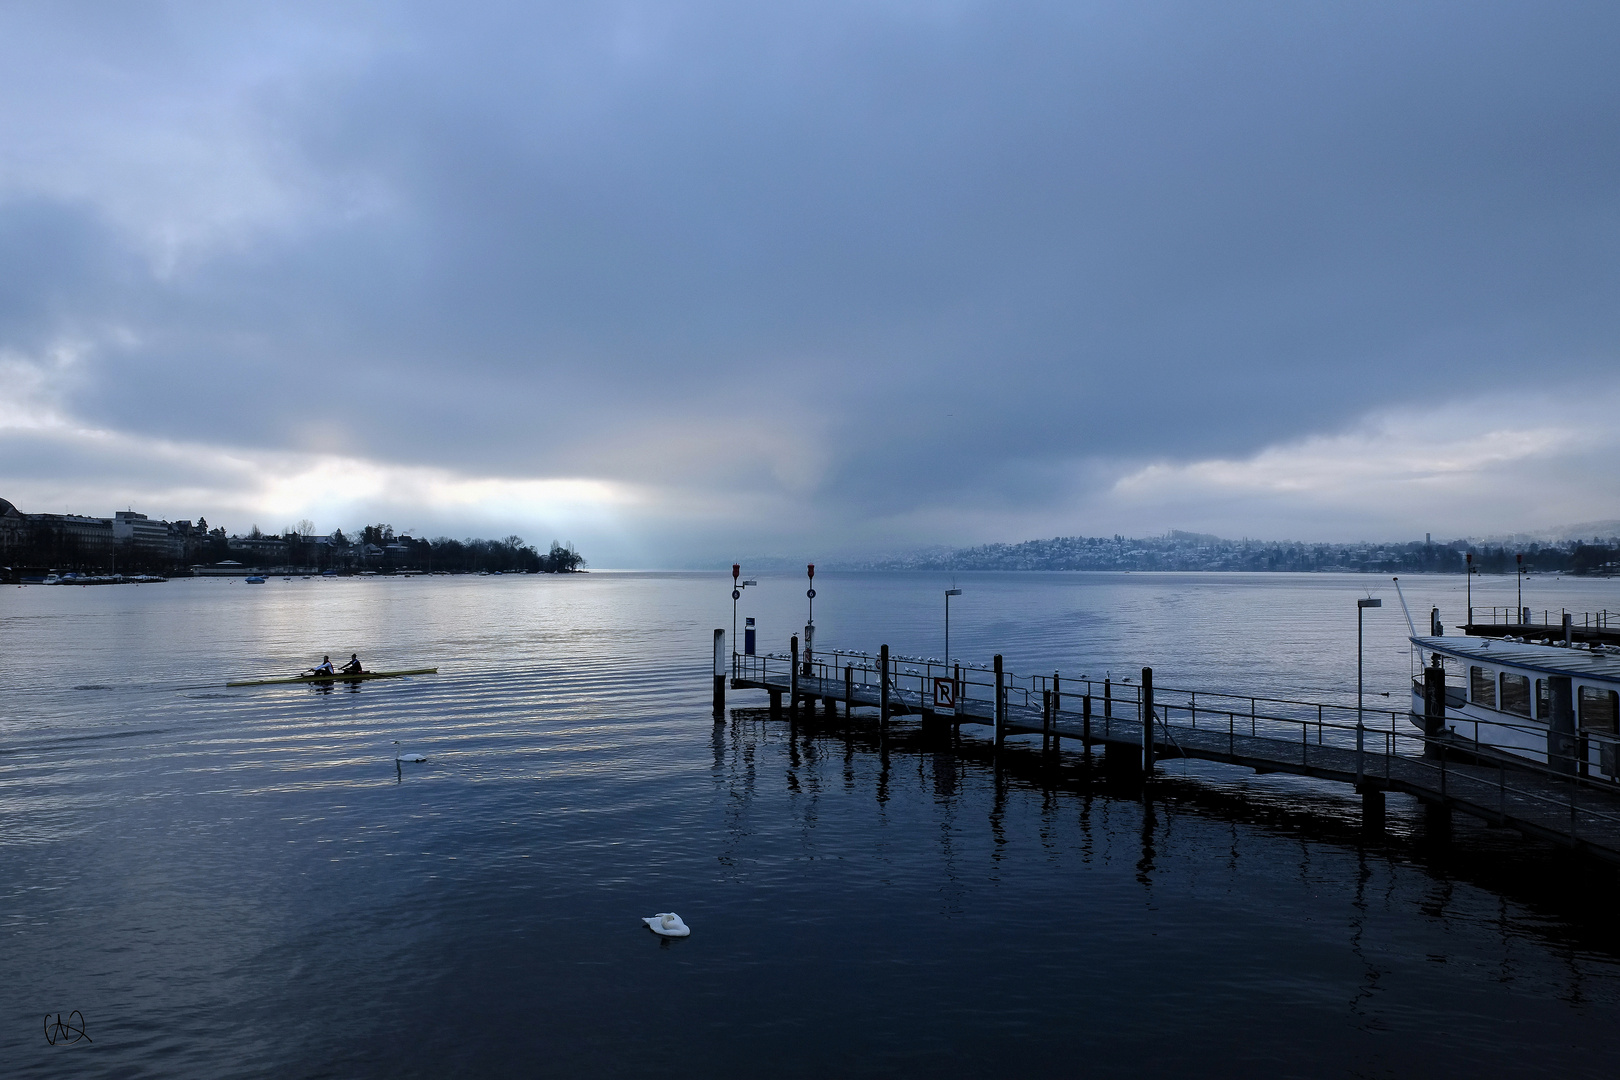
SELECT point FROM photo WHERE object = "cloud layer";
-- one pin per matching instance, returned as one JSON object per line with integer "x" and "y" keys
{"x": 680, "y": 282}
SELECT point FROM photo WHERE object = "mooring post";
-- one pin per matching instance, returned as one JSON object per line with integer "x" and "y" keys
{"x": 1046, "y": 721}
{"x": 1057, "y": 698}
{"x": 956, "y": 688}
{"x": 1001, "y": 706}
{"x": 1147, "y": 720}
{"x": 849, "y": 689}
{"x": 793, "y": 675}
{"x": 883, "y": 690}
{"x": 719, "y": 674}
{"x": 1108, "y": 707}
{"x": 1085, "y": 720}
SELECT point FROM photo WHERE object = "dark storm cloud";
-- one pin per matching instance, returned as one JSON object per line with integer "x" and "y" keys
{"x": 940, "y": 255}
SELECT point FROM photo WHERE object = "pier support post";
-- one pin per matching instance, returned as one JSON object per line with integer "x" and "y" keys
{"x": 849, "y": 689}
{"x": 1057, "y": 698}
{"x": 793, "y": 674}
{"x": 829, "y": 705}
{"x": 1108, "y": 707}
{"x": 776, "y": 704}
{"x": 883, "y": 689}
{"x": 1147, "y": 720}
{"x": 1372, "y": 809}
{"x": 1085, "y": 720}
{"x": 1001, "y": 706}
{"x": 719, "y": 674}
{"x": 1046, "y": 721}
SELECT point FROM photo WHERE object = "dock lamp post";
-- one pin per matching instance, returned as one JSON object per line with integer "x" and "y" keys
{"x": 948, "y": 594}
{"x": 1361, "y": 728}
{"x": 736, "y": 594}
{"x": 1469, "y": 567}
{"x": 810, "y": 623}
{"x": 1520, "y": 614}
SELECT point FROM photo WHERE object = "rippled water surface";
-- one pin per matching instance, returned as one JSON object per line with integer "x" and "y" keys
{"x": 242, "y": 882}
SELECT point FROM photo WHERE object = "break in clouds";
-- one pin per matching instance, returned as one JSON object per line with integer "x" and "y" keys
{"x": 683, "y": 283}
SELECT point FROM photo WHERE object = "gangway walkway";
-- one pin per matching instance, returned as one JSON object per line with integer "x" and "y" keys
{"x": 1137, "y": 724}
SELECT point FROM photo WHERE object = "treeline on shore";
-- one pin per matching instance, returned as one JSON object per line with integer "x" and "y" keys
{"x": 35, "y": 544}
{"x": 377, "y": 547}
{"x": 1194, "y": 551}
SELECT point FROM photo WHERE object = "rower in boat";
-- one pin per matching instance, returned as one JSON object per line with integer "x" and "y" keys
{"x": 313, "y": 675}
{"x": 323, "y": 668}
{"x": 353, "y": 666}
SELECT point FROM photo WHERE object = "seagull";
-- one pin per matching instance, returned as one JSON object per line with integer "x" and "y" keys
{"x": 667, "y": 924}
{"x": 405, "y": 755}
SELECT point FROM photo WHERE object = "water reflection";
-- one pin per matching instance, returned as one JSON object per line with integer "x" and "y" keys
{"x": 1009, "y": 807}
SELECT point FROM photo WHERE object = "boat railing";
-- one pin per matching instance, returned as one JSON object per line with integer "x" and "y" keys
{"x": 1511, "y": 616}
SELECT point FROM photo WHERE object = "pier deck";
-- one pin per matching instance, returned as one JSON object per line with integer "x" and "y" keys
{"x": 1136, "y": 726}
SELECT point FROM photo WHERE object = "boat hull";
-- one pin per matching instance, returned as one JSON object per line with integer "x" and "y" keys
{"x": 339, "y": 677}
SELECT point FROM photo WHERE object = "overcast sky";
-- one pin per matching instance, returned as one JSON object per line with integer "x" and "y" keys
{"x": 683, "y": 283}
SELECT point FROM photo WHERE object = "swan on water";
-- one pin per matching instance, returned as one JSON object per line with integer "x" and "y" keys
{"x": 406, "y": 755}
{"x": 667, "y": 924}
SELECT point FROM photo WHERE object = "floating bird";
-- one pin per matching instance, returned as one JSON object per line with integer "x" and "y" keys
{"x": 405, "y": 755}
{"x": 667, "y": 924}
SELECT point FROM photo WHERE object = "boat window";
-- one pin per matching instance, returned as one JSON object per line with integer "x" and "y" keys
{"x": 1481, "y": 687}
{"x": 1600, "y": 709}
{"x": 1543, "y": 700}
{"x": 1516, "y": 694}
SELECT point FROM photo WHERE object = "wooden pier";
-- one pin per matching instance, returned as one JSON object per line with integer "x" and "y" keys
{"x": 1136, "y": 725}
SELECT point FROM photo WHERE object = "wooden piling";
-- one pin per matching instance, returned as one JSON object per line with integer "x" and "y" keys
{"x": 883, "y": 690}
{"x": 1085, "y": 720}
{"x": 1057, "y": 706}
{"x": 1000, "y": 706}
{"x": 1147, "y": 720}
{"x": 1046, "y": 721}
{"x": 793, "y": 669}
{"x": 719, "y": 674}
{"x": 849, "y": 689}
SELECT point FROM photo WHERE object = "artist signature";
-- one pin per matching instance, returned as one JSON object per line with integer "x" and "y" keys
{"x": 65, "y": 1031}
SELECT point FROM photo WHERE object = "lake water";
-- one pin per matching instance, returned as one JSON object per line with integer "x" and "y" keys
{"x": 243, "y": 882}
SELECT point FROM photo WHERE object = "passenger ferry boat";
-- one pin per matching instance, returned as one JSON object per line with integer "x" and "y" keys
{"x": 1549, "y": 694}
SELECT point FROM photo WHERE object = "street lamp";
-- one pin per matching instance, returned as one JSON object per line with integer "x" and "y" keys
{"x": 948, "y": 594}
{"x": 1469, "y": 567}
{"x": 1361, "y": 606}
{"x": 1518, "y": 616}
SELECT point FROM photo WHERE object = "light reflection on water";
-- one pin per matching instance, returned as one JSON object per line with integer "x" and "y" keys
{"x": 246, "y": 883}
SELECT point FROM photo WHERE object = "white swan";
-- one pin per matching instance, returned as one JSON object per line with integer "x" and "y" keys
{"x": 406, "y": 755}
{"x": 667, "y": 924}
